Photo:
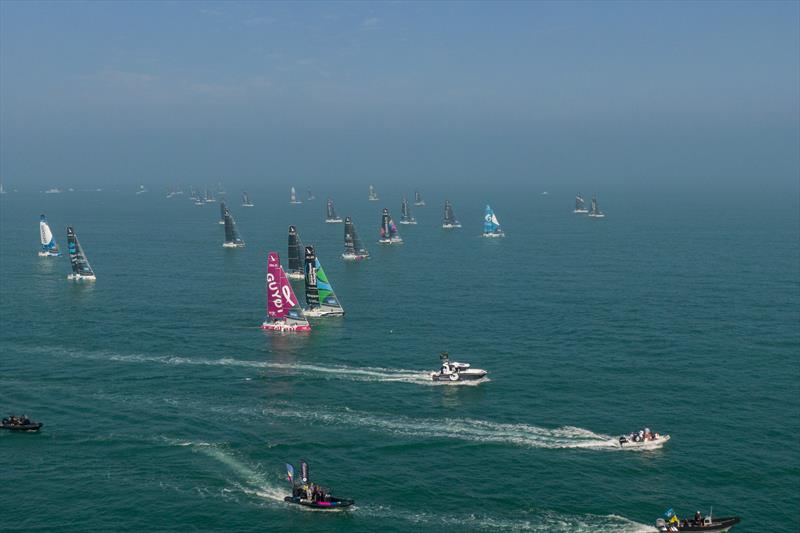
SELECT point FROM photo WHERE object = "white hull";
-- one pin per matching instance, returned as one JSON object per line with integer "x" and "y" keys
{"x": 580, "y": 211}
{"x": 283, "y": 326}
{"x": 333, "y": 220}
{"x": 374, "y": 199}
{"x": 78, "y": 277}
{"x": 211, "y": 201}
{"x": 596, "y": 215}
{"x": 296, "y": 202}
{"x": 247, "y": 205}
{"x": 472, "y": 374}
{"x": 408, "y": 222}
{"x": 451, "y": 226}
{"x": 48, "y": 254}
{"x": 320, "y": 313}
{"x": 199, "y": 202}
{"x": 295, "y": 275}
{"x": 645, "y": 444}
{"x": 396, "y": 240}
{"x": 494, "y": 235}
{"x": 354, "y": 257}
{"x": 233, "y": 245}
{"x": 222, "y": 222}
{"x": 420, "y": 204}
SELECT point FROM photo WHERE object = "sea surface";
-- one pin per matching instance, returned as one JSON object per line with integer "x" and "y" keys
{"x": 166, "y": 408}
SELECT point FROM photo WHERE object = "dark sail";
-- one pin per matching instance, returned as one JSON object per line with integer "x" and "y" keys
{"x": 295, "y": 260}
{"x": 417, "y": 197}
{"x": 385, "y": 224}
{"x": 312, "y": 294}
{"x": 349, "y": 237}
{"x": 358, "y": 245}
{"x": 231, "y": 235}
{"x": 404, "y": 209}
{"x": 331, "y": 212}
{"x": 80, "y": 265}
{"x": 449, "y": 217}
{"x": 222, "y": 210}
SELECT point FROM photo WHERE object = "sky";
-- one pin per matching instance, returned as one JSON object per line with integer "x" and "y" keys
{"x": 639, "y": 93}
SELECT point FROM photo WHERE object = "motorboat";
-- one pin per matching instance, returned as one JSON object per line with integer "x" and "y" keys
{"x": 644, "y": 439}
{"x": 20, "y": 423}
{"x": 310, "y": 494}
{"x": 452, "y": 371}
{"x": 698, "y": 523}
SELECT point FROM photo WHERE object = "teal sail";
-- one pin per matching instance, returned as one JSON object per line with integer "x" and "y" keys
{"x": 491, "y": 226}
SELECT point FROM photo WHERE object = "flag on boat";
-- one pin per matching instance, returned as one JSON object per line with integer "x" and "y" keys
{"x": 290, "y": 473}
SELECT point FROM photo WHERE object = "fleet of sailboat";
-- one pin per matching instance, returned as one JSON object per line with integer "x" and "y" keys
{"x": 405, "y": 214}
{"x": 293, "y": 197}
{"x": 595, "y": 212}
{"x": 246, "y": 200}
{"x": 320, "y": 298}
{"x": 418, "y": 201}
{"x": 450, "y": 221}
{"x": 354, "y": 249}
{"x": 49, "y": 246}
{"x": 283, "y": 310}
{"x": 491, "y": 226}
{"x": 373, "y": 196}
{"x": 296, "y": 270}
{"x": 331, "y": 217}
{"x": 232, "y": 238}
{"x": 389, "y": 234}
{"x": 81, "y": 269}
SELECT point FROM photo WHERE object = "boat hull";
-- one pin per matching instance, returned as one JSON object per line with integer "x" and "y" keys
{"x": 354, "y": 257}
{"x": 333, "y": 221}
{"x": 233, "y": 245}
{"x": 247, "y": 205}
{"x": 420, "y": 204}
{"x": 408, "y": 222}
{"x": 580, "y": 211}
{"x": 396, "y": 240}
{"x": 717, "y": 525}
{"x": 49, "y": 254}
{"x": 283, "y": 326}
{"x": 78, "y": 277}
{"x": 296, "y": 275}
{"x": 451, "y": 226}
{"x": 320, "y": 313}
{"x": 473, "y": 374}
{"x": 645, "y": 445}
{"x": 333, "y": 505}
{"x": 596, "y": 215}
{"x": 494, "y": 235}
{"x": 36, "y": 426}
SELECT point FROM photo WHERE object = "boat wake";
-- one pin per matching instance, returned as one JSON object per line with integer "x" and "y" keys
{"x": 461, "y": 428}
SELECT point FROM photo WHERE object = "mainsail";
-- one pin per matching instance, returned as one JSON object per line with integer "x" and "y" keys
{"x": 405, "y": 213}
{"x": 319, "y": 292}
{"x": 388, "y": 229}
{"x": 491, "y": 226}
{"x": 293, "y": 197}
{"x": 232, "y": 238}
{"x": 222, "y": 210}
{"x": 246, "y": 200}
{"x": 282, "y": 305}
{"x": 295, "y": 259}
{"x": 331, "y": 213}
{"x": 373, "y": 196}
{"x": 80, "y": 265}
{"x": 353, "y": 246}
{"x": 418, "y": 199}
{"x": 580, "y": 205}
{"x": 595, "y": 212}
{"x": 310, "y": 195}
{"x": 49, "y": 246}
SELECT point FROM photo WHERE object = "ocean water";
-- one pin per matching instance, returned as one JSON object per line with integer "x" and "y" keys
{"x": 167, "y": 408}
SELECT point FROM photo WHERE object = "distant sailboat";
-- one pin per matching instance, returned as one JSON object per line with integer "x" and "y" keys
{"x": 246, "y": 200}
{"x": 293, "y": 197}
{"x": 353, "y": 247}
{"x": 491, "y": 226}
{"x": 54, "y": 190}
{"x": 450, "y": 221}
{"x": 222, "y": 210}
{"x": 141, "y": 190}
{"x": 373, "y": 196}
{"x": 232, "y": 238}
{"x": 320, "y": 298}
{"x": 220, "y": 189}
{"x": 389, "y": 233}
{"x": 331, "y": 217}
{"x": 49, "y": 246}
{"x": 209, "y": 196}
{"x": 594, "y": 212}
{"x": 283, "y": 310}
{"x": 2, "y": 189}
{"x": 580, "y": 205}
{"x": 405, "y": 213}
{"x": 81, "y": 269}
{"x": 295, "y": 259}
{"x": 310, "y": 195}
{"x": 418, "y": 201}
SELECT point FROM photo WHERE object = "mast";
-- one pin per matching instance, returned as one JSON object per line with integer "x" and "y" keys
{"x": 77, "y": 258}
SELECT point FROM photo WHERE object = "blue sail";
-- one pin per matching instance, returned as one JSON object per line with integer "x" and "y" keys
{"x": 490, "y": 222}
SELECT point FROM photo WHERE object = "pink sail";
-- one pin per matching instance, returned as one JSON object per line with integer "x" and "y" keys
{"x": 276, "y": 301}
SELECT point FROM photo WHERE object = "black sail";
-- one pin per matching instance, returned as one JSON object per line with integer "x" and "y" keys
{"x": 404, "y": 209}
{"x": 222, "y": 210}
{"x": 312, "y": 294}
{"x": 331, "y": 212}
{"x": 449, "y": 217}
{"x": 385, "y": 224}
{"x": 80, "y": 265}
{"x": 295, "y": 260}
{"x": 231, "y": 235}
{"x": 349, "y": 237}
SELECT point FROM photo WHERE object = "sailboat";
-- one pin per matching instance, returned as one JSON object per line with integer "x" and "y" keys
{"x": 373, "y": 196}
{"x": 49, "y": 246}
{"x": 353, "y": 247}
{"x": 295, "y": 259}
{"x": 246, "y": 200}
{"x": 209, "y": 196}
{"x": 310, "y": 195}
{"x": 450, "y": 221}
{"x": 81, "y": 269}
{"x": 418, "y": 201}
{"x": 389, "y": 233}
{"x": 405, "y": 214}
{"x": 491, "y": 226}
{"x": 331, "y": 217}
{"x": 2, "y": 189}
{"x": 320, "y": 298}
{"x": 283, "y": 311}
{"x": 594, "y": 212}
{"x": 580, "y": 205}
{"x": 293, "y": 197}
{"x": 222, "y": 210}
{"x": 232, "y": 238}
{"x": 141, "y": 190}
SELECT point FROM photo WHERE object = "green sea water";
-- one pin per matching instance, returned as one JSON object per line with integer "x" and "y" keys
{"x": 167, "y": 408}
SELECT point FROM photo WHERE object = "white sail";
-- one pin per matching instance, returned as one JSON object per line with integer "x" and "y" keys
{"x": 46, "y": 234}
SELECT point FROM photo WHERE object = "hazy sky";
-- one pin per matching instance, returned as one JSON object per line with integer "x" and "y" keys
{"x": 193, "y": 92}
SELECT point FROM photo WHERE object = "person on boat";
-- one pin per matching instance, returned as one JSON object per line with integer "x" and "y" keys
{"x": 698, "y": 518}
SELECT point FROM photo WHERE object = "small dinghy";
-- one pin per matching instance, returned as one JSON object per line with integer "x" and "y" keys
{"x": 20, "y": 423}
{"x": 643, "y": 439}
{"x": 453, "y": 372}
{"x": 697, "y": 523}
{"x": 310, "y": 494}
